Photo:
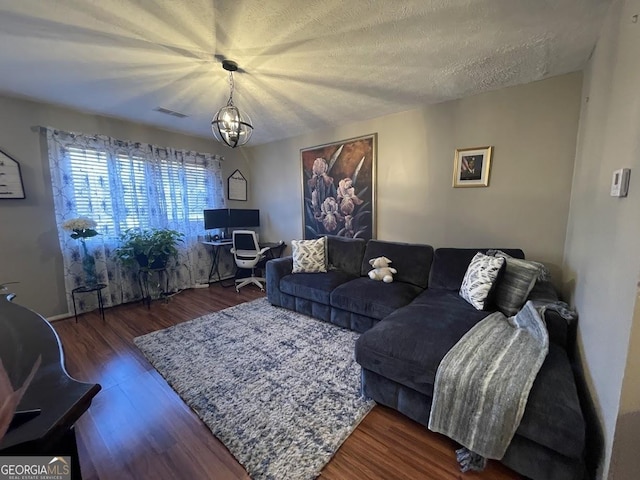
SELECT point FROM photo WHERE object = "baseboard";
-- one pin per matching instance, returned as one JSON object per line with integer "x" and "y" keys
{"x": 201, "y": 285}
{"x": 222, "y": 278}
{"x": 62, "y": 316}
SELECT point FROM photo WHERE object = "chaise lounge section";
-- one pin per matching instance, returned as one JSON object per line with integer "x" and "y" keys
{"x": 409, "y": 325}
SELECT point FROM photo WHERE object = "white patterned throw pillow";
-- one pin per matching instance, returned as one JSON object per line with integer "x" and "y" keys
{"x": 478, "y": 282}
{"x": 309, "y": 255}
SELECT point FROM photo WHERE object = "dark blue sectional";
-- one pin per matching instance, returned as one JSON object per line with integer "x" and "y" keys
{"x": 409, "y": 325}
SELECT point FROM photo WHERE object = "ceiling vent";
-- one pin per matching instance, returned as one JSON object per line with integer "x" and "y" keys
{"x": 166, "y": 111}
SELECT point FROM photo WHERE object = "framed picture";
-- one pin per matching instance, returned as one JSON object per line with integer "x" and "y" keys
{"x": 471, "y": 167}
{"x": 237, "y": 186}
{"x": 338, "y": 188}
{"x": 11, "y": 185}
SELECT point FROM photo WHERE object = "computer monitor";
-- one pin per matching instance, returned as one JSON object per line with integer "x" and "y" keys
{"x": 242, "y": 217}
{"x": 216, "y": 218}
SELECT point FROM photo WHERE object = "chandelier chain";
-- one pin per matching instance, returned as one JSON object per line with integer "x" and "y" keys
{"x": 231, "y": 89}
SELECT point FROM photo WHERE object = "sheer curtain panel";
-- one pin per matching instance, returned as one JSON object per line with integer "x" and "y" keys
{"x": 121, "y": 185}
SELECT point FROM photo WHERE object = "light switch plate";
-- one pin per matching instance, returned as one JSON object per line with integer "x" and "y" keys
{"x": 620, "y": 182}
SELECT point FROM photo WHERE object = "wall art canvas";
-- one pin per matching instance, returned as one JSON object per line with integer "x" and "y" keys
{"x": 338, "y": 188}
{"x": 237, "y": 186}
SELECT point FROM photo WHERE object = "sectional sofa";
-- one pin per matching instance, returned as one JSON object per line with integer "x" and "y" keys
{"x": 409, "y": 325}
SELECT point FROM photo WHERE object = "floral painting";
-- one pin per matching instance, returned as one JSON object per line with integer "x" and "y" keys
{"x": 338, "y": 181}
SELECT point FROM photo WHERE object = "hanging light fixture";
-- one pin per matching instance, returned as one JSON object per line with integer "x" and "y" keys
{"x": 230, "y": 125}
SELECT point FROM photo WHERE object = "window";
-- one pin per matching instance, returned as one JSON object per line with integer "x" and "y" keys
{"x": 132, "y": 176}
{"x": 122, "y": 185}
{"x": 123, "y": 191}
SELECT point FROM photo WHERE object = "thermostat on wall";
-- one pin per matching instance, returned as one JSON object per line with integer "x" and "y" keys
{"x": 620, "y": 182}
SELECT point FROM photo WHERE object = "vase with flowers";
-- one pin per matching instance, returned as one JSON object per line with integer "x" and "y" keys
{"x": 82, "y": 229}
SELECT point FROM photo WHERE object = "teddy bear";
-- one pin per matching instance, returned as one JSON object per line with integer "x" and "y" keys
{"x": 381, "y": 269}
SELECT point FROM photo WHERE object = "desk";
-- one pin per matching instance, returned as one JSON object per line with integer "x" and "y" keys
{"x": 88, "y": 289}
{"x": 275, "y": 251}
{"x": 216, "y": 245}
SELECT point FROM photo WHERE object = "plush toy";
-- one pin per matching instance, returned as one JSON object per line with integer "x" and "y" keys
{"x": 381, "y": 269}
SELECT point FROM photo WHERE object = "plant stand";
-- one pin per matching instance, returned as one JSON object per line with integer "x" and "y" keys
{"x": 88, "y": 289}
{"x": 145, "y": 276}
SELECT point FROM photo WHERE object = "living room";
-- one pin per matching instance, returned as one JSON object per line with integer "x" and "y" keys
{"x": 556, "y": 143}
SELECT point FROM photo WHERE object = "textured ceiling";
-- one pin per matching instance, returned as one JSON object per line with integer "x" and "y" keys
{"x": 306, "y": 64}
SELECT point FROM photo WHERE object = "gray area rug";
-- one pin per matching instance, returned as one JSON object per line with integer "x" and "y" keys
{"x": 279, "y": 389}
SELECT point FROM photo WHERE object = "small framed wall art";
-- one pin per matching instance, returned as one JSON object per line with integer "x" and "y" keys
{"x": 11, "y": 185}
{"x": 471, "y": 167}
{"x": 237, "y": 186}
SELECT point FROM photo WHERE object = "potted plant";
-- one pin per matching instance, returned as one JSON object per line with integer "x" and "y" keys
{"x": 150, "y": 249}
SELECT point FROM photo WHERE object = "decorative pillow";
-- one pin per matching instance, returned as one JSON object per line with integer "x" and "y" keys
{"x": 516, "y": 284}
{"x": 544, "y": 275}
{"x": 309, "y": 255}
{"x": 480, "y": 278}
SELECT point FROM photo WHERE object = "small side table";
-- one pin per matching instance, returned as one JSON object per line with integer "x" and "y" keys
{"x": 88, "y": 289}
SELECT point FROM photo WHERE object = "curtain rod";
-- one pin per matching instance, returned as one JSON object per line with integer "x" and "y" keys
{"x": 42, "y": 129}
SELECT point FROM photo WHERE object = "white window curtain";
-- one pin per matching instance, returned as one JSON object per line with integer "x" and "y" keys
{"x": 121, "y": 185}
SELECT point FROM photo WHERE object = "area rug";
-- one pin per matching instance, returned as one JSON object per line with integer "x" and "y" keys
{"x": 279, "y": 389}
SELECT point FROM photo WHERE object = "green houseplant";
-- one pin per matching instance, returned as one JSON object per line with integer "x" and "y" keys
{"x": 149, "y": 249}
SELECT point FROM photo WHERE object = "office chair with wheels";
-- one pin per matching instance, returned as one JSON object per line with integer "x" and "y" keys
{"x": 247, "y": 255}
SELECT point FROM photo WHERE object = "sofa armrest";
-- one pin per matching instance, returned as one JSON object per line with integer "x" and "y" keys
{"x": 276, "y": 269}
{"x": 559, "y": 328}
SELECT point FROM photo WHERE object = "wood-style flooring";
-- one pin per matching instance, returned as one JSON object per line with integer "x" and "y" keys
{"x": 139, "y": 428}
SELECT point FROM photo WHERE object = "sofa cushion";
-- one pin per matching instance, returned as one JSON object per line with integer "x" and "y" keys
{"x": 479, "y": 280}
{"x": 412, "y": 261}
{"x": 409, "y": 344}
{"x": 345, "y": 254}
{"x": 553, "y": 416}
{"x": 544, "y": 274}
{"x": 309, "y": 256}
{"x": 450, "y": 265}
{"x": 371, "y": 298}
{"x": 515, "y": 284}
{"x": 314, "y": 286}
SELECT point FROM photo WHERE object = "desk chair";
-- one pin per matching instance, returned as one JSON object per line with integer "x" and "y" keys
{"x": 247, "y": 254}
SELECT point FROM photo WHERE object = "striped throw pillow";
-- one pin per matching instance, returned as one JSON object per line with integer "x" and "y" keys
{"x": 309, "y": 255}
{"x": 479, "y": 279}
{"x": 516, "y": 283}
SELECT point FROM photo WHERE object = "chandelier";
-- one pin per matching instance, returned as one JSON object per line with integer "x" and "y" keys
{"x": 229, "y": 124}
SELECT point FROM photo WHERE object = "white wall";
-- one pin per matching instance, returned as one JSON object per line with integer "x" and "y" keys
{"x": 625, "y": 461}
{"x": 29, "y": 247}
{"x": 533, "y": 129}
{"x": 602, "y": 262}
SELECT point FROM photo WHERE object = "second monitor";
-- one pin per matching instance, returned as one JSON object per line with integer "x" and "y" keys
{"x": 244, "y": 217}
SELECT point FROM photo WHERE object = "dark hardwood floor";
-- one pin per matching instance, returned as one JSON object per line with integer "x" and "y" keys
{"x": 139, "y": 428}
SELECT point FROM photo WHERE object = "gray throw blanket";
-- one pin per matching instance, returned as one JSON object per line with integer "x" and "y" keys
{"x": 483, "y": 382}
